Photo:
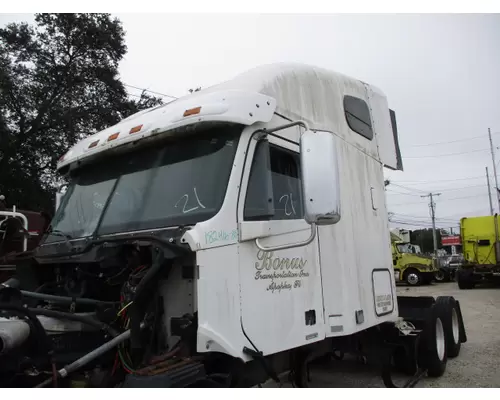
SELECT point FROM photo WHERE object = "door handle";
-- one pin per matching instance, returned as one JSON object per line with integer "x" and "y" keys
{"x": 289, "y": 246}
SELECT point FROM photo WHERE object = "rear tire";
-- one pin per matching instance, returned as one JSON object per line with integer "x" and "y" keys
{"x": 413, "y": 277}
{"x": 448, "y": 311}
{"x": 432, "y": 351}
{"x": 465, "y": 279}
{"x": 440, "y": 276}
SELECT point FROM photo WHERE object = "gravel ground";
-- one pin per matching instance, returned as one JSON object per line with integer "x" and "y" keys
{"x": 478, "y": 364}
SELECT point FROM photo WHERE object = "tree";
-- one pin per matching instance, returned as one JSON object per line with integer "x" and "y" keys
{"x": 59, "y": 83}
{"x": 423, "y": 238}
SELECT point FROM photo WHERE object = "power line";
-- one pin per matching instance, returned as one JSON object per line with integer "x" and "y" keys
{"x": 424, "y": 217}
{"x": 449, "y": 154}
{"x": 401, "y": 219}
{"x": 408, "y": 188}
{"x": 405, "y": 204}
{"x": 463, "y": 187}
{"x": 401, "y": 193}
{"x": 440, "y": 189}
{"x": 150, "y": 91}
{"x": 473, "y": 212}
{"x": 135, "y": 95}
{"x": 424, "y": 220}
{"x": 428, "y": 226}
{"x": 440, "y": 180}
{"x": 409, "y": 223}
{"x": 452, "y": 141}
{"x": 452, "y": 199}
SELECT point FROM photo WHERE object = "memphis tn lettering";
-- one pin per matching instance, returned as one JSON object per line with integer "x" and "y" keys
{"x": 288, "y": 271}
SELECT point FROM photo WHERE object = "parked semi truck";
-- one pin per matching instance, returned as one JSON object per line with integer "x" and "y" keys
{"x": 411, "y": 267}
{"x": 223, "y": 239}
{"x": 480, "y": 244}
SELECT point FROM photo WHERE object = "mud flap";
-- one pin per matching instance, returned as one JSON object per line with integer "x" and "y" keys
{"x": 462, "y": 333}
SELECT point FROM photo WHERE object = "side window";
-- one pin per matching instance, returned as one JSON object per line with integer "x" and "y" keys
{"x": 282, "y": 172}
{"x": 285, "y": 176}
{"x": 357, "y": 115}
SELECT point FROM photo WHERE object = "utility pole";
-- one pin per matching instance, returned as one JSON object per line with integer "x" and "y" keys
{"x": 489, "y": 191}
{"x": 432, "y": 206}
{"x": 494, "y": 168}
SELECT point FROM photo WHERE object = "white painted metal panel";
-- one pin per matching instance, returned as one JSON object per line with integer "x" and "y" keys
{"x": 280, "y": 289}
{"x": 358, "y": 244}
{"x": 227, "y": 106}
{"x": 219, "y": 314}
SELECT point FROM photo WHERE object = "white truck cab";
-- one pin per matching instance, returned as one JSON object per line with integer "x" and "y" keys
{"x": 272, "y": 185}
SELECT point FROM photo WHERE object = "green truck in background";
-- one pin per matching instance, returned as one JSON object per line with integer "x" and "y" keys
{"x": 481, "y": 250}
{"x": 410, "y": 267}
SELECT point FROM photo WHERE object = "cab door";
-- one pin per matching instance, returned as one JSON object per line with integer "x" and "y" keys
{"x": 280, "y": 290}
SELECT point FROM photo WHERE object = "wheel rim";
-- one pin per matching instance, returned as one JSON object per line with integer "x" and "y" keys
{"x": 440, "y": 343}
{"x": 455, "y": 326}
{"x": 439, "y": 276}
{"x": 412, "y": 278}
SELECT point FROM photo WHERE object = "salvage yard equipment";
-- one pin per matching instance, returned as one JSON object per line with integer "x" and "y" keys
{"x": 223, "y": 239}
{"x": 20, "y": 231}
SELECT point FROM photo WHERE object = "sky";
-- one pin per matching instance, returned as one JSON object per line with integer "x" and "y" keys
{"x": 440, "y": 72}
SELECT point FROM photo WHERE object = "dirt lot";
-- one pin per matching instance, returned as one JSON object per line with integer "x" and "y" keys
{"x": 478, "y": 364}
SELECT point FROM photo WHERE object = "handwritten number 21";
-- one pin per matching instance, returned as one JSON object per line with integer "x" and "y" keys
{"x": 186, "y": 200}
{"x": 288, "y": 200}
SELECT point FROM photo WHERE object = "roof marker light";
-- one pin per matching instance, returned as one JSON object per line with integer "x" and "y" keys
{"x": 135, "y": 129}
{"x": 113, "y": 136}
{"x": 192, "y": 111}
{"x": 93, "y": 144}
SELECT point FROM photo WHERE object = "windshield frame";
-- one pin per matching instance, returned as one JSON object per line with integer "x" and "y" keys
{"x": 228, "y": 131}
{"x": 405, "y": 246}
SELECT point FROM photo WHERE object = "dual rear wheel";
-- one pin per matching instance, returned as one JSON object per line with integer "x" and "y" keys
{"x": 440, "y": 338}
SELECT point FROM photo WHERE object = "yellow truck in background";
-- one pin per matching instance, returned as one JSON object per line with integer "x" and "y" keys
{"x": 414, "y": 269}
{"x": 480, "y": 245}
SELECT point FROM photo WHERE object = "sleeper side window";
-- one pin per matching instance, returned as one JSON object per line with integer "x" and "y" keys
{"x": 274, "y": 192}
{"x": 357, "y": 115}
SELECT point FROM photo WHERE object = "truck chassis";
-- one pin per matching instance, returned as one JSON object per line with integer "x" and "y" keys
{"x": 430, "y": 331}
{"x": 470, "y": 275}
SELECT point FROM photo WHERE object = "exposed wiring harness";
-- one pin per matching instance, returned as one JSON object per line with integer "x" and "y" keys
{"x": 152, "y": 365}
{"x": 134, "y": 307}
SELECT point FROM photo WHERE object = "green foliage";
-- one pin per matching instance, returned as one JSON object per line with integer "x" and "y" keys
{"x": 423, "y": 238}
{"x": 59, "y": 82}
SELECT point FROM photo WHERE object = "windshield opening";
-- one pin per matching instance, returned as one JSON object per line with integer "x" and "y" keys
{"x": 177, "y": 182}
{"x": 406, "y": 248}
